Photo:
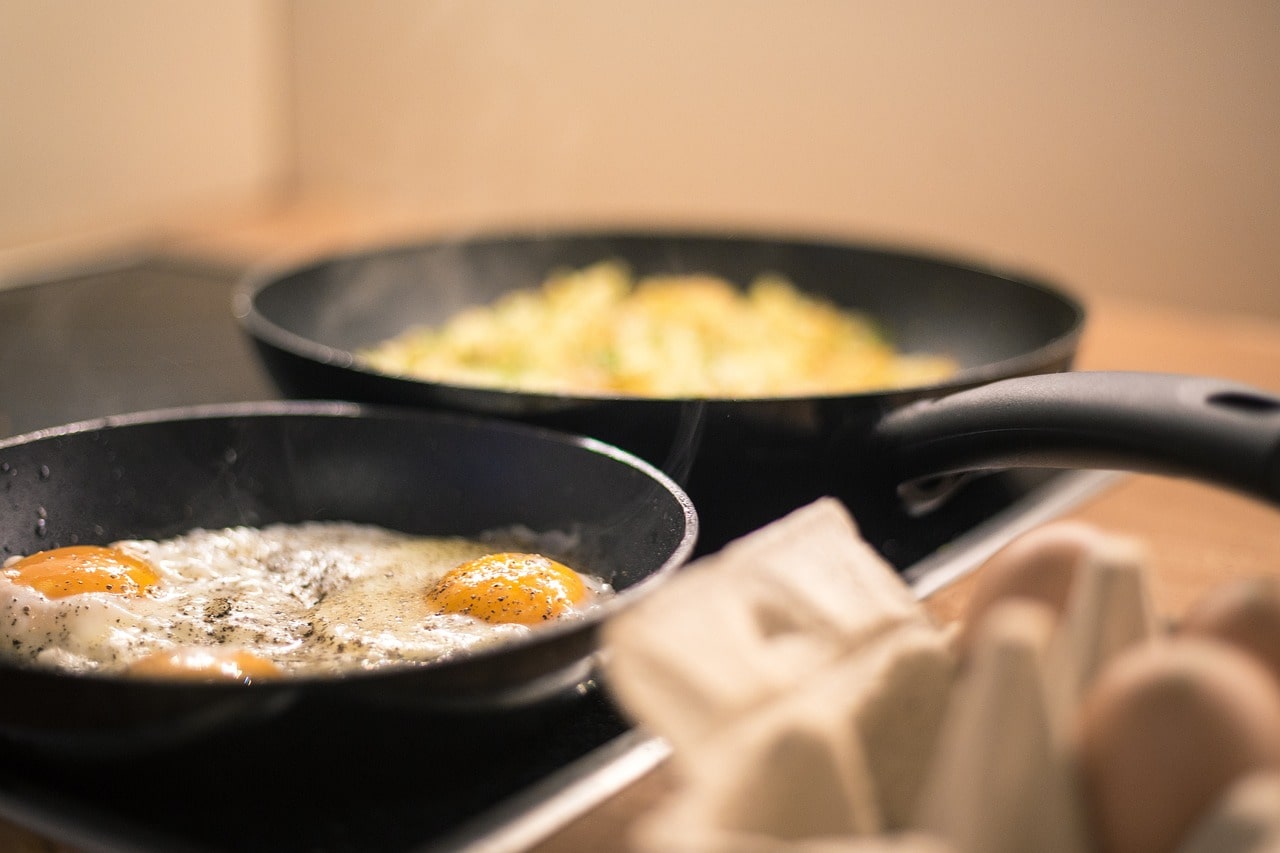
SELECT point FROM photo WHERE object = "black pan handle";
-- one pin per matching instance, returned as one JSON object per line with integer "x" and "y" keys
{"x": 1158, "y": 423}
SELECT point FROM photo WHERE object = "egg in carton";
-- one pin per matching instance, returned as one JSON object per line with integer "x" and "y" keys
{"x": 1163, "y": 741}
{"x": 813, "y": 706}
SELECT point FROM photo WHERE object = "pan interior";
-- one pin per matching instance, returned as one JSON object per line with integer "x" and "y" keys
{"x": 415, "y": 472}
{"x": 979, "y": 317}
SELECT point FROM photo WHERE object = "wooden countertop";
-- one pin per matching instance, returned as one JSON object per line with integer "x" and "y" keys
{"x": 1198, "y": 535}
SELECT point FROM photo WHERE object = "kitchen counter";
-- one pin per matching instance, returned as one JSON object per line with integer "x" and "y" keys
{"x": 1197, "y": 535}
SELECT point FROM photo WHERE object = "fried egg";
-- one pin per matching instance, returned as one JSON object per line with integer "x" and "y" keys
{"x": 246, "y": 604}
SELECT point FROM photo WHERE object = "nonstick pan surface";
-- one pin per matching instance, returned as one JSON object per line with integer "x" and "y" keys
{"x": 744, "y": 462}
{"x": 160, "y": 474}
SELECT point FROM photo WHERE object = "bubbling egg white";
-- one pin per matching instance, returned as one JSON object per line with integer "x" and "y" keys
{"x": 316, "y": 598}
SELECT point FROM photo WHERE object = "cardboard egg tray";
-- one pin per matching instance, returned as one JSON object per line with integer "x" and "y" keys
{"x": 813, "y": 705}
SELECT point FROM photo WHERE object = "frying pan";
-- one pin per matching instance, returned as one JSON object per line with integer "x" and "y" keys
{"x": 155, "y": 475}
{"x": 745, "y": 462}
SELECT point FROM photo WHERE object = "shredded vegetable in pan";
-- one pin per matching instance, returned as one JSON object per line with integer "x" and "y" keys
{"x": 598, "y": 330}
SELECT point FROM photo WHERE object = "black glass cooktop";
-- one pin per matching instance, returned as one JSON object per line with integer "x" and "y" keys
{"x": 161, "y": 334}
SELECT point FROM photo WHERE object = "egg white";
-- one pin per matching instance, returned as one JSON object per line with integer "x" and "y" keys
{"x": 314, "y": 598}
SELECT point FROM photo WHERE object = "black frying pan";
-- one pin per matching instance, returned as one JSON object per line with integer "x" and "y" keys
{"x": 747, "y": 461}
{"x": 157, "y": 475}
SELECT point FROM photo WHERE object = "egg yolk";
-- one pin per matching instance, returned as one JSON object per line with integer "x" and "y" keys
{"x": 61, "y": 572}
{"x": 509, "y": 587}
{"x": 205, "y": 664}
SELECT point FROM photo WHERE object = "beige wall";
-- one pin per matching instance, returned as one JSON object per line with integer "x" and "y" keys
{"x": 1124, "y": 147}
{"x": 116, "y": 115}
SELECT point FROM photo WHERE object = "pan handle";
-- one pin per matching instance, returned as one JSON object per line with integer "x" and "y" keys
{"x": 1209, "y": 429}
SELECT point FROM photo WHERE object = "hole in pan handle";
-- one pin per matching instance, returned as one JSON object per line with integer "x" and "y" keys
{"x": 1185, "y": 426}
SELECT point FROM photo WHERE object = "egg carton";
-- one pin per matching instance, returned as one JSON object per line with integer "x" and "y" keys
{"x": 813, "y": 706}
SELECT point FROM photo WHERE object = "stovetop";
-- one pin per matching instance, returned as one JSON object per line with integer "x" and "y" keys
{"x": 160, "y": 334}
